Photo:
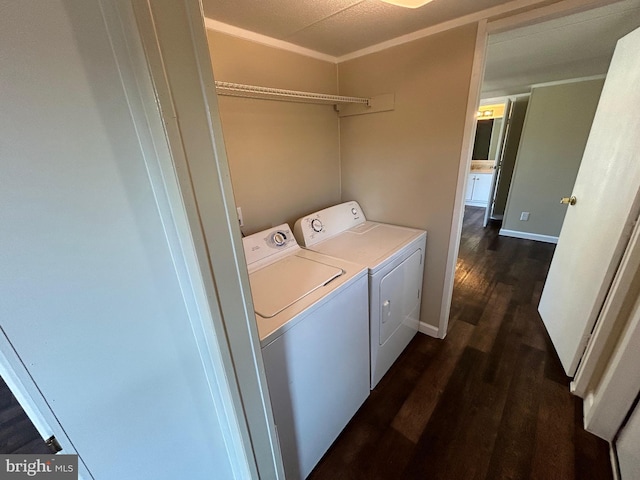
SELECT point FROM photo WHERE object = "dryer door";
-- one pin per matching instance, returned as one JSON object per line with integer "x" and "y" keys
{"x": 400, "y": 291}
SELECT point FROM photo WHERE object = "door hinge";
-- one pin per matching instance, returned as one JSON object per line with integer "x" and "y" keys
{"x": 53, "y": 444}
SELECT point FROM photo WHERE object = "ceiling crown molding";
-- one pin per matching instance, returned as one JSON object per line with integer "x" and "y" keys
{"x": 506, "y": 21}
{"x": 211, "y": 24}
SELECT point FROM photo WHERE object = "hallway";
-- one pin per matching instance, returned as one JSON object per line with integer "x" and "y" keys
{"x": 491, "y": 401}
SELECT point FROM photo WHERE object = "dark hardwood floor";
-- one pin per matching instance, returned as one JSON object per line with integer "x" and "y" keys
{"x": 491, "y": 401}
{"x": 17, "y": 433}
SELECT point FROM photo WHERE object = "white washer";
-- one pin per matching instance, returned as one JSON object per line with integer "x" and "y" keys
{"x": 312, "y": 316}
{"x": 394, "y": 256}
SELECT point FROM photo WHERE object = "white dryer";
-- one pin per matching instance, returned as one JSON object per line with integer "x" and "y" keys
{"x": 395, "y": 258}
{"x": 312, "y": 316}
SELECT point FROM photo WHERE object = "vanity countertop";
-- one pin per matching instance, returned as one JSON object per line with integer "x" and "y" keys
{"x": 482, "y": 166}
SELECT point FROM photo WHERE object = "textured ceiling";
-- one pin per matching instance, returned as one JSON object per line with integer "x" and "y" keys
{"x": 573, "y": 46}
{"x": 339, "y": 27}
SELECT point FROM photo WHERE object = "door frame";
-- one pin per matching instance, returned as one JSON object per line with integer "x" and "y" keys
{"x": 177, "y": 57}
{"x": 502, "y": 140}
{"x": 608, "y": 378}
{"x": 189, "y": 174}
{"x": 485, "y": 28}
{"x": 466, "y": 152}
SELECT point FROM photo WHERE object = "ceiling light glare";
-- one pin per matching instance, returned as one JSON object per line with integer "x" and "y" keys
{"x": 407, "y": 3}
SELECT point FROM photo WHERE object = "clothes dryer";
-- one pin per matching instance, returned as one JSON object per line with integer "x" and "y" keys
{"x": 312, "y": 318}
{"x": 394, "y": 256}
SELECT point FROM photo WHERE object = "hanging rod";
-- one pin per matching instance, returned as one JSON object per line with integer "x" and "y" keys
{"x": 252, "y": 91}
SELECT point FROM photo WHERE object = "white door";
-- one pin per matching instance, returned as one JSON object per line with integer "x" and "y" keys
{"x": 502, "y": 141}
{"x": 597, "y": 228}
{"x": 98, "y": 301}
{"x": 626, "y": 446}
{"x": 400, "y": 297}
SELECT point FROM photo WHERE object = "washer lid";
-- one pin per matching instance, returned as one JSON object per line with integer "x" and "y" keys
{"x": 282, "y": 283}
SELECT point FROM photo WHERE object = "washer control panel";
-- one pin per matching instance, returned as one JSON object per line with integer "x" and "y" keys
{"x": 316, "y": 225}
{"x": 262, "y": 245}
{"x": 326, "y": 223}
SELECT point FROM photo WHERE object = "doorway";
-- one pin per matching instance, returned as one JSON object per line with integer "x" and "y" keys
{"x": 542, "y": 148}
{"x": 493, "y": 132}
{"x": 514, "y": 59}
{"x": 499, "y": 127}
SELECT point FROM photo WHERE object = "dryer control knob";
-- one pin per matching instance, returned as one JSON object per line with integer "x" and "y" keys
{"x": 316, "y": 225}
{"x": 354, "y": 211}
{"x": 279, "y": 238}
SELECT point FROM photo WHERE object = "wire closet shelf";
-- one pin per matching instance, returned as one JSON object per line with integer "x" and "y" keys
{"x": 253, "y": 91}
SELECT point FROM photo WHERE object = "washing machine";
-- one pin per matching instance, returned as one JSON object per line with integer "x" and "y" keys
{"x": 395, "y": 258}
{"x": 312, "y": 313}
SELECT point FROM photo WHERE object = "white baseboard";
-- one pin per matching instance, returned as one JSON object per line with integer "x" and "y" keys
{"x": 473, "y": 203}
{"x": 614, "y": 462}
{"x": 528, "y": 236}
{"x": 428, "y": 330}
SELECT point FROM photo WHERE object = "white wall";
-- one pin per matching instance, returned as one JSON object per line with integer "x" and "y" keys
{"x": 284, "y": 156}
{"x": 627, "y": 448}
{"x": 555, "y": 132}
{"x": 95, "y": 297}
{"x": 402, "y": 165}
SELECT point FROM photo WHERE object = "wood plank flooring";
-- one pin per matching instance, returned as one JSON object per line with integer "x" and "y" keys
{"x": 491, "y": 401}
{"x": 17, "y": 433}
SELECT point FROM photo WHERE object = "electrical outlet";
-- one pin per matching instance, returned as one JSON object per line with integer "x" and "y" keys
{"x": 240, "y": 219}
{"x": 524, "y": 216}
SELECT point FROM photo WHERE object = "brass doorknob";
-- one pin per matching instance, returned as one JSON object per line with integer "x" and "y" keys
{"x": 569, "y": 200}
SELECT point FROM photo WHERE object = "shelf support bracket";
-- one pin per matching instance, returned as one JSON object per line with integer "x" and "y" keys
{"x": 379, "y": 103}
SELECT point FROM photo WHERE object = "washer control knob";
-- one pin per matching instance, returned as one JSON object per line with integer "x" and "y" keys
{"x": 354, "y": 211}
{"x": 279, "y": 238}
{"x": 316, "y": 225}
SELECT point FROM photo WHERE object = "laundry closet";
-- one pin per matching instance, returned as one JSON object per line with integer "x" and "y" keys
{"x": 351, "y": 138}
{"x": 288, "y": 159}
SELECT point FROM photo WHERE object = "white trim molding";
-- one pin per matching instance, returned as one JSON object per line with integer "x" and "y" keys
{"x": 482, "y": 15}
{"x": 623, "y": 290}
{"x": 606, "y": 407}
{"x": 466, "y": 151}
{"x": 429, "y": 330}
{"x": 493, "y": 101}
{"x": 544, "y": 13}
{"x": 217, "y": 26}
{"x": 503, "y": 98}
{"x": 613, "y": 456}
{"x": 184, "y": 91}
{"x": 528, "y": 236}
{"x": 504, "y": 22}
{"x": 609, "y": 395}
{"x": 601, "y": 76}
{"x": 476, "y": 203}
